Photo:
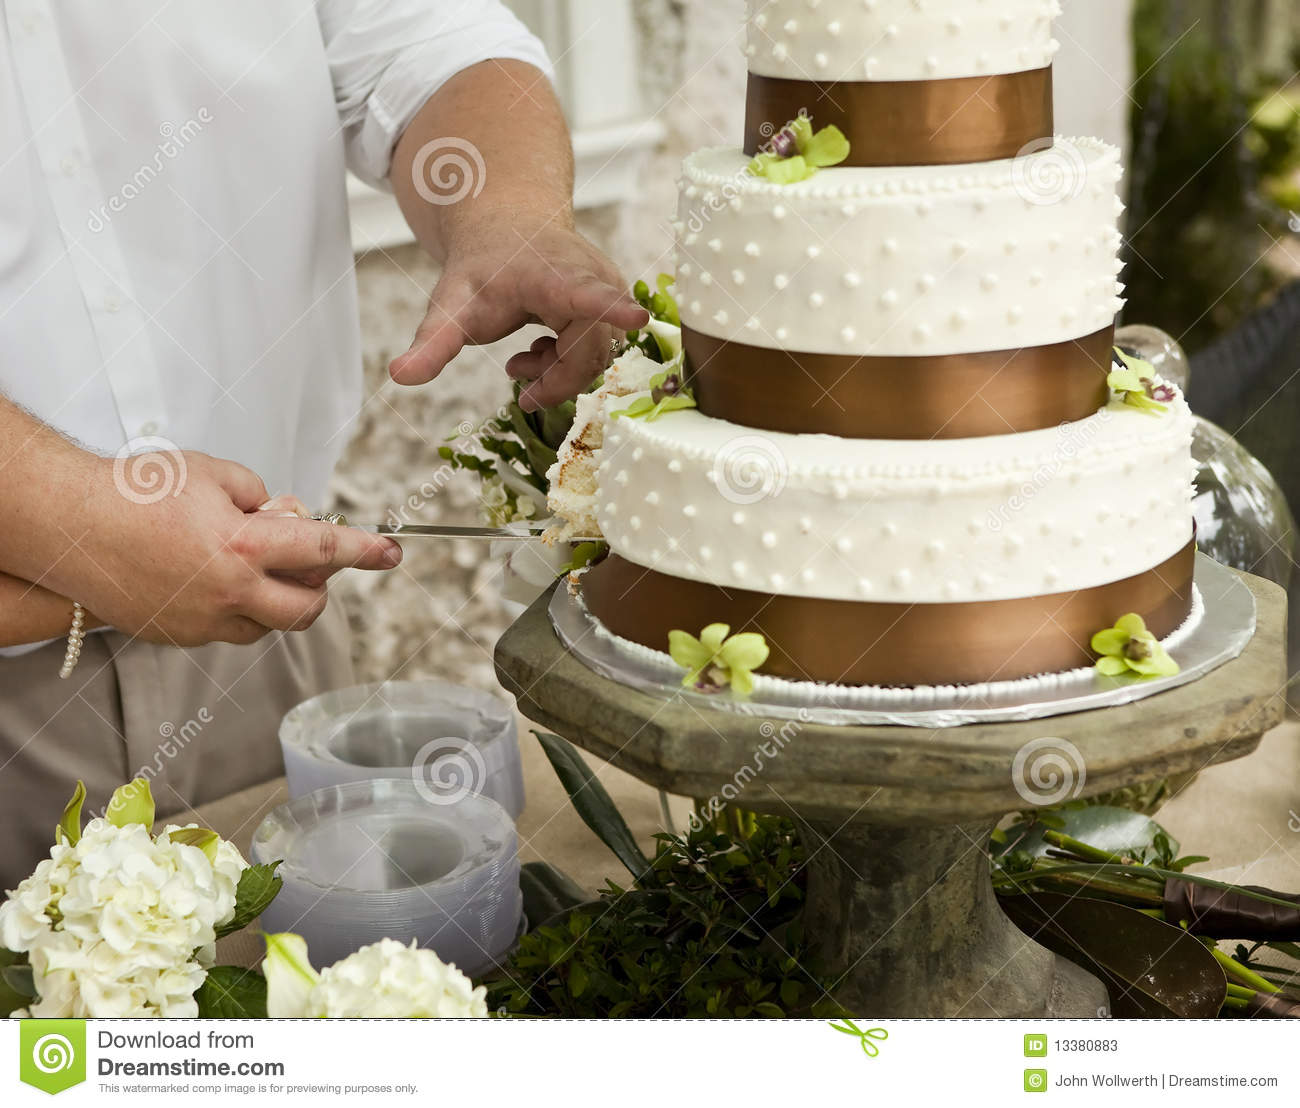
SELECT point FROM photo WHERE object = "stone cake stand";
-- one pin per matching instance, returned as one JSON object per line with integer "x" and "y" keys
{"x": 900, "y": 911}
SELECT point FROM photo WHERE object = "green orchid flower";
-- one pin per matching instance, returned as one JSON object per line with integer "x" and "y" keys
{"x": 667, "y": 394}
{"x": 1137, "y": 385}
{"x": 1129, "y": 647}
{"x": 796, "y": 152}
{"x": 662, "y": 338}
{"x": 718, "y": 659}
{"x": 660, "y": 304}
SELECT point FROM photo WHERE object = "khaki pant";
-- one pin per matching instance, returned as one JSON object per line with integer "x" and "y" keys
{"x": 199, "y": 724}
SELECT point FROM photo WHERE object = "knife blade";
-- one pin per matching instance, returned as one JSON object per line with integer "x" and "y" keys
{"x": 523, "y": 533}
{"x": 520, "y": 532}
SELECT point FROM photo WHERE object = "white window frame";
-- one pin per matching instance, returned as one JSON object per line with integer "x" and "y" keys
{"x": 594, "y": 46}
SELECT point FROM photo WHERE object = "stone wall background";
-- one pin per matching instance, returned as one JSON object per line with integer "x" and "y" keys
{"x": 440, "y": 613}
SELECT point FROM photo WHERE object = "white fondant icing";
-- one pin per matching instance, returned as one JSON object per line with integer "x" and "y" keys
{"x": 930, "y": 519}
{"x": 923, "y": 268}
{"x": 898, "y": 40}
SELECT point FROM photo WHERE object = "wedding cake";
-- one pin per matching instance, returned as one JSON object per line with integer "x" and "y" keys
{"x": 892, "y": 443}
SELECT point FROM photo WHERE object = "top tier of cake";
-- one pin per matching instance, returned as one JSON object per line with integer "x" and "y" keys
{"x": 898, "y": 40}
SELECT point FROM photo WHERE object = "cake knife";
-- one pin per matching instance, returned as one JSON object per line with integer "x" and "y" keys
{"x": 527, "y": 532}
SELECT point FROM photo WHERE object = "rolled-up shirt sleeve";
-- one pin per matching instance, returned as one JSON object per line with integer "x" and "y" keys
{"x": 387, "y": 57}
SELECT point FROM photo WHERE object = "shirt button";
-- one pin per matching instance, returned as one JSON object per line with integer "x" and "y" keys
{"x": 68, "y": 165}
{"x": 112, "y": 303}
{"x": 148, "y": 429}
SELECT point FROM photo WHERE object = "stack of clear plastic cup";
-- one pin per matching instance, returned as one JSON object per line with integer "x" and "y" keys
{"x": 441, "y": 736}
{"x": 389, "y": 859}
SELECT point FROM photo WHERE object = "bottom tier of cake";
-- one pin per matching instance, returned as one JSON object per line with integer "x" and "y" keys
{"x": 887, "y": 644}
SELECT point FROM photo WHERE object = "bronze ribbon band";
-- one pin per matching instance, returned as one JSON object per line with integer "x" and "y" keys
{"x": 952, "y": 396}
{"x": 897, "y": 123}
{"x": 862, "y": 643}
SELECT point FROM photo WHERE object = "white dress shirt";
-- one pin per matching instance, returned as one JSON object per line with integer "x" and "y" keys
{"x": 175, "y": 260}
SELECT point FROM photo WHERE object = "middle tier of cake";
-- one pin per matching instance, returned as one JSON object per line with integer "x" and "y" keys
{"x": 902, "y": 522}
{"x": 906, "y": 262}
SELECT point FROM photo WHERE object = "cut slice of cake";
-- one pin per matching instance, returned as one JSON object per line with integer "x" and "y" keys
{"x": 572, "y": 480}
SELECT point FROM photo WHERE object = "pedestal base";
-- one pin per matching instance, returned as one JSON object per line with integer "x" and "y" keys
{"x": 901, "y": 911}
{"x": 905, "y": 924}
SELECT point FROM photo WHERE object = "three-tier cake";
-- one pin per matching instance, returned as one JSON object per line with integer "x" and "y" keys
{"x": 905, "y": 465}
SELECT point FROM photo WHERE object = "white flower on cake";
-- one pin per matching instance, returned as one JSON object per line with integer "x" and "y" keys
{"x": 117, "y": 922}
{"x": 386, "y": 980}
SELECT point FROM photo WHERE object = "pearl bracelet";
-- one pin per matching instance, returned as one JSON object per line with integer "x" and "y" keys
{"x": 76, "y": 635}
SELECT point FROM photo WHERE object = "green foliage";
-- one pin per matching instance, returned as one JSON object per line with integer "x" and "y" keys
{"x": 258, "y": 886}
{"x": 593, "y": 803}
{"x": 709, "y": 931}
{"x": 233, "y": 993}
{"x": 1213, "y": 163}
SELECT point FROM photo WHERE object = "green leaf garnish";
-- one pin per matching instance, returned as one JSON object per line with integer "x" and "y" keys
{"x": 132, "y": 803}
{"x": 1137, "y": 385}
{"x": 584, "y": 554}
{"x": 826, "y": 148}
{"x": 69, "y": 827}
{"x": 718, "y": 659}
{"x": 1129, "y": 647}
{"x": 782, "y": 171}
{"x": 666, "y": 395}
{"x": 199, "y": 837}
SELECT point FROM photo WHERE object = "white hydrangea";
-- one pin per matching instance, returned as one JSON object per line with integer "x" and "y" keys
{"x": 385, "y": 980}
{"x": 122, "y": 923}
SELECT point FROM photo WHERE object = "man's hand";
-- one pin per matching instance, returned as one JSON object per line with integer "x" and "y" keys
{"x": 205, "y": 565}
{"x": 503, "y": 281}
{"x": 511, "y": 254}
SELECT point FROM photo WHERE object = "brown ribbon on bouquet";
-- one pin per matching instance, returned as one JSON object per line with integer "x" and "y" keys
{"x": 899, "y": 123}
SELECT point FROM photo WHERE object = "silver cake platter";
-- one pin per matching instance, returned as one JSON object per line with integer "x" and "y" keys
{"x": 1218, "y": 632}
